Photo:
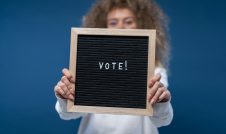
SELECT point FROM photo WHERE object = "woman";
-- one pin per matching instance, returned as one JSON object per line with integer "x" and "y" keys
{"x": 125, "y": 14}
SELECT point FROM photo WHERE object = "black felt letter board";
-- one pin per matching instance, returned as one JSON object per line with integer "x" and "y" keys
{"x": 111, "y": 71}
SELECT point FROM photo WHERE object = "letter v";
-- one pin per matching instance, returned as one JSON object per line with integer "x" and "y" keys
{"x": 101, "y": 65}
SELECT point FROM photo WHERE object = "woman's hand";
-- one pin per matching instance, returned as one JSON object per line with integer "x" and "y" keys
{"x": 65, "y": 88}
{"x": 157, "y": 91}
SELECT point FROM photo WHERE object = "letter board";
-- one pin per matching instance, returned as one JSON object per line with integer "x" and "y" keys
{"x": 112, "y": 68}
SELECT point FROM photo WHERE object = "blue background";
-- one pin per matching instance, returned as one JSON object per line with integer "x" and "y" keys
{"x": 34, "y": 47}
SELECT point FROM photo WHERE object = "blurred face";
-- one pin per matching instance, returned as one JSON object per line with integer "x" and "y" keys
{"x": 121, "y": 18}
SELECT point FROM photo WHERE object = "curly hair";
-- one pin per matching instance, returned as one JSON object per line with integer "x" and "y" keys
{"x": 148, "y": 15}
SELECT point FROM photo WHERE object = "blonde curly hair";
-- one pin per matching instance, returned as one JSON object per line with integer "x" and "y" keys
{"x": 148, "y": 15}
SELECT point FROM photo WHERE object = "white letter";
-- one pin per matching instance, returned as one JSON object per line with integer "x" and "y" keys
{"x": 113, "y": 63}
{"x": 120, "y": 66}
{"x": 101, "y": 65}
{"x": 107, "y": 66}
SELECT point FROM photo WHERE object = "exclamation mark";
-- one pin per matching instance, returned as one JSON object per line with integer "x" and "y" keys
{"x": 125, "y": 64}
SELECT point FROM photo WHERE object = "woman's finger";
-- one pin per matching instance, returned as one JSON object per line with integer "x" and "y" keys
{"x": 162, "y": 96}
{"x": 157, "y": 95}
{"x": 64, "y": 88}
{"x": 71, "y": 97}
{"x": 72, "y": 89}
{"x": 69, "y": 76}
{"x": 72, "y": 79}
{"x": 60, "y": 92}
{"x": 65, "y": 80}
{"x": 165, "y": 96}
{"x": 66, "y": 73}
{"x": 154, "y": 79}
{"x": 154, "y": 89}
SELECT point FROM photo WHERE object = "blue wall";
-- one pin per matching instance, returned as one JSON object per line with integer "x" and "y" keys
{"x": 34, "y": 47}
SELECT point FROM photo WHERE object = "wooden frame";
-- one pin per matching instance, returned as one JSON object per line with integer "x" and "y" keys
{"x": 119, "y": 32}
